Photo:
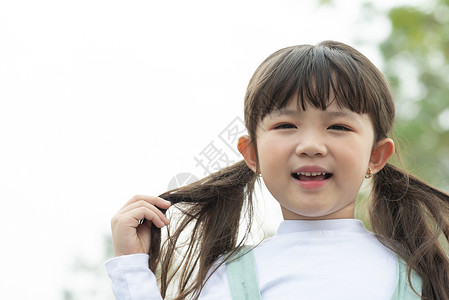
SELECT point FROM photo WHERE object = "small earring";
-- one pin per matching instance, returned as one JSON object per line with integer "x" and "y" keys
{"x": 369, "y": 173}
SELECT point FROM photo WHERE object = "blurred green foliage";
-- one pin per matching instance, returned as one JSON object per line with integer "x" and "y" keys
{"x": 416, "y": 55}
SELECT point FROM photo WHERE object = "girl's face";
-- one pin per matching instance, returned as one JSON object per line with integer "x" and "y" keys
{"x": 314, "y": 162}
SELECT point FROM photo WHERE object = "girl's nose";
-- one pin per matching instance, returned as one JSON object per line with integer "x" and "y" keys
{"x": 311, "y": 145}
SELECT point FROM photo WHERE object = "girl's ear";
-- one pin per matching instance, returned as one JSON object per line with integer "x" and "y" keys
{"x": 247, "y": 150}
{"x": 382, "y": 151}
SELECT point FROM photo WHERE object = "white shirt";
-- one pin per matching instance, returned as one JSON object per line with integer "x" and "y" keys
{"x": 312, "y": 260}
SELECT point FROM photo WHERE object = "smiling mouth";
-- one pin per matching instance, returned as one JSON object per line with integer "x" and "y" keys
{"x": 311, "y": 176}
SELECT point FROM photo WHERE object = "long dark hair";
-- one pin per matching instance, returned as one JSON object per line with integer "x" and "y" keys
{"x": 407, "y": 215}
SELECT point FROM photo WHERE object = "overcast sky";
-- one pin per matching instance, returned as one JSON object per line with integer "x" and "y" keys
{"x": 101, "y": 100}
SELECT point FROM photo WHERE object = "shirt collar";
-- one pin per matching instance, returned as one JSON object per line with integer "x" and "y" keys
{"x": 340, "y": 225}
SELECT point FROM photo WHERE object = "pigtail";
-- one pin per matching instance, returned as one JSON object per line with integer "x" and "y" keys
{"x": 412, "y": 218}
{"x": 211, "y": 211}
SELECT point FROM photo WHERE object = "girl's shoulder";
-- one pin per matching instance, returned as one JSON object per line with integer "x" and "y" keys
{"x": 405, "y": 291}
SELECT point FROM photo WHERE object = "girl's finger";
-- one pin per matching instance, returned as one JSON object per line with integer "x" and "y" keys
{"x": 154, "y": 200}
{"x": 131, "y": 218}
{"x": 148, "y": 214}
{"x": 142, "y": 203}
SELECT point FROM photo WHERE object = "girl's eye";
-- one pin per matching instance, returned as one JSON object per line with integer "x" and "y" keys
{"x": 339, "y": 127}
{"x": 285, "y": 126}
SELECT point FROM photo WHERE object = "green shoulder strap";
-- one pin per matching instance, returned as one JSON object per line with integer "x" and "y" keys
{"x": 244, "y": 284}
{"x": 403, "y": 289}
{"x": 242, "y": 275}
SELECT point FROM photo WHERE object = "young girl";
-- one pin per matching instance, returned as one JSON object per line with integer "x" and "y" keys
{"x": 318, "y": 119}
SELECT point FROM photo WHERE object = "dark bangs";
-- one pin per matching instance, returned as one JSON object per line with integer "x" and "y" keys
{"x": 313, "y": 73}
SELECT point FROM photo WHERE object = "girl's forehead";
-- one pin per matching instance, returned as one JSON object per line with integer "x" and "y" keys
{"x": 303, "y": 97}
{"x": 294, "y": 106}
{"x": 332, "y": 111}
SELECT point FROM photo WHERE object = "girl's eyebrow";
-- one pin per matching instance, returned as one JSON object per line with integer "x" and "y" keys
{"x": 330, "y": 114}
{"x": 284, "y": 111}
{"x": 334, "y": 113}
{"x": 346, "y": 114}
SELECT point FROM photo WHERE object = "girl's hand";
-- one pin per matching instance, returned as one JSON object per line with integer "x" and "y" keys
{"x": 128, "y": 235}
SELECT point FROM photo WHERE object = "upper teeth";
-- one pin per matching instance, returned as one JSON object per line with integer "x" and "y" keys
{"x": 311, "y": 173}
